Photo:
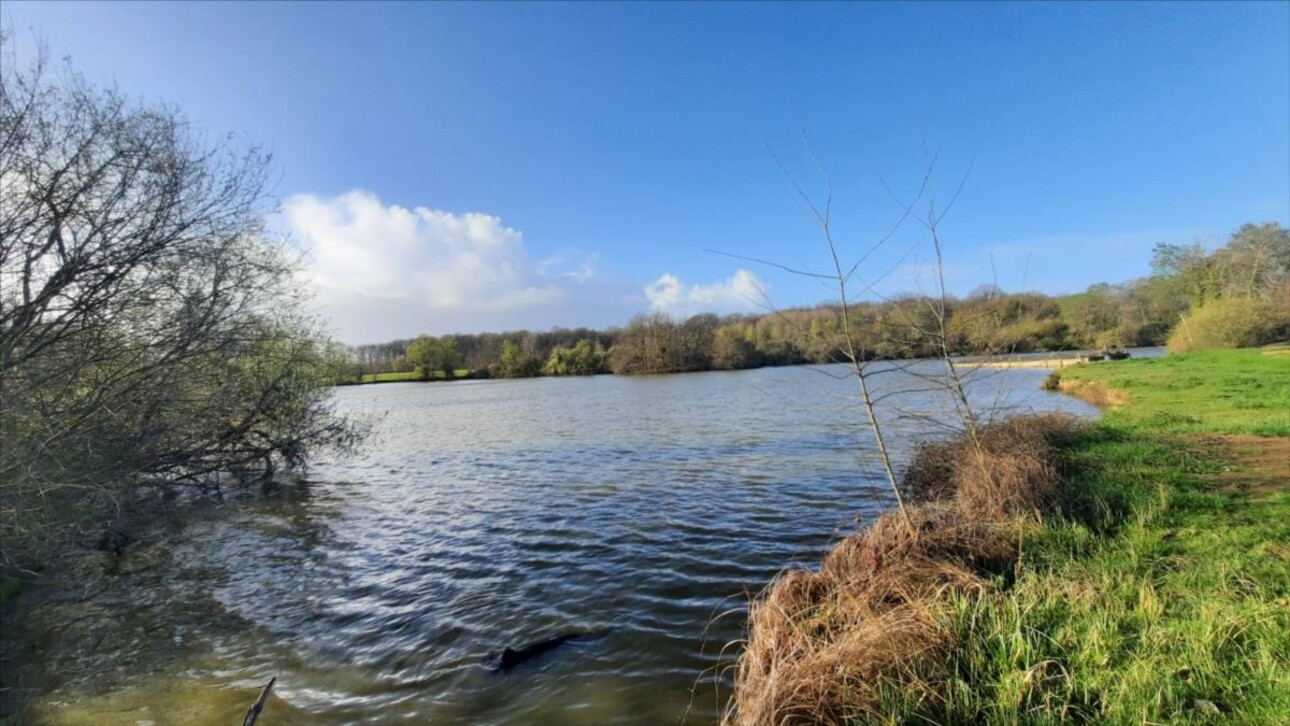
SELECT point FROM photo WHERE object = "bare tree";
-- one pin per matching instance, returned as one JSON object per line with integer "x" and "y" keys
{"x": 841, "y": 279}
{"x": 909, "y": 328}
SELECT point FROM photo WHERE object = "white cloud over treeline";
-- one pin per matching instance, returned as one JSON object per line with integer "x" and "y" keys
{"x": 383, "y": 271}
{"x": 741, "y": 292}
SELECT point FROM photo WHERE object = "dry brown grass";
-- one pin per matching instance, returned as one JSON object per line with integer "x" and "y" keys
{"x": 1007, "y": 468}
{"x": 822, "y": 643}
{"x": 1094, "y": 392}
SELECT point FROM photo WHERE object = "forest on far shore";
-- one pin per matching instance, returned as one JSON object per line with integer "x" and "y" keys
{"x": 1235, "y": 296}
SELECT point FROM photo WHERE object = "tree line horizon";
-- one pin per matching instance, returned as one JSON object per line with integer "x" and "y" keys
{"x": 1237, "y": 295}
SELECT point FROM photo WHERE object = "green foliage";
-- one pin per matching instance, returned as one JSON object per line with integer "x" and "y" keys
{"x": 1139, "y": 313}
{"x": 583, "y": 359}
{"x": 517, "y": 361}
{"x": 433, "y": 355}
{"x": 658, "y": 344}
{"x": 1231, "y": 323}
{"x": 731, "y": 349}
{"x": 1192, "y": 274}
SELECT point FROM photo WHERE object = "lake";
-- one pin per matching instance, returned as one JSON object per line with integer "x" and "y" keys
{"x": 643, "y": 511}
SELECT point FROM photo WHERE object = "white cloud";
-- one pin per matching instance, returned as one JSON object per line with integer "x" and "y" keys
{"x": 364, "y": 249}
{"x": 571, "y": 263}
{"x": 742, "y": 291}
{"x": 385, "y": 271}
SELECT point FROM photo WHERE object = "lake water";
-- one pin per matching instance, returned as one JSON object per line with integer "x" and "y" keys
{"x": 489, "y": 513}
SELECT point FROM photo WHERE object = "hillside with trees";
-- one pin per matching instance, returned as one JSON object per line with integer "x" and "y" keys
{"x": 1237, "y": 295}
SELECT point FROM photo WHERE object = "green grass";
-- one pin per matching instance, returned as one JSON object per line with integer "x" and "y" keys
{"x": 1154, "y": 597}
{"x": 1223, "y": 391}
{"x": 407, "y": 376}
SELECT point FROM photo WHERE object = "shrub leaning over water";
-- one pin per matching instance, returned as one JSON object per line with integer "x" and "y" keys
{"x": 152, "y": 333}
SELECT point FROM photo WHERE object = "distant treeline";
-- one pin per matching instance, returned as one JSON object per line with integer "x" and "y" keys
{"x": 1247, "y": 279}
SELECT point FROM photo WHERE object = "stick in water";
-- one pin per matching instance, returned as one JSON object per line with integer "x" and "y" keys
{"x": 254, "y": 712}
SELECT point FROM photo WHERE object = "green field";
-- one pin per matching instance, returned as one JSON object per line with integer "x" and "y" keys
{"x": 406, "y": 376}
{"x": 1161, "y": 592}
{"x": 1225, "y": 391}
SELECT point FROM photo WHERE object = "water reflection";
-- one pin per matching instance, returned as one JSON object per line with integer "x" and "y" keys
{"x": 485, "y": 514}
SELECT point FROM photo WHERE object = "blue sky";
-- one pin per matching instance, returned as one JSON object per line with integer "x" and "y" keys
{"x": 459, "y": 167}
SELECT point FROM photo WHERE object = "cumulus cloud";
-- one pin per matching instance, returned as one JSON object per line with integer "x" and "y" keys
{"x": 364, "y": 249}
{"x": 741, "y": 292}
{"x": 384, "y": 271}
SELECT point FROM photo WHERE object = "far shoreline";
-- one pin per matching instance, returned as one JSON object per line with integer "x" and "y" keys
{"x": 1050, "y": 360}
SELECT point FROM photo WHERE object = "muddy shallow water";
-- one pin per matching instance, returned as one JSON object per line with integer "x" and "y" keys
{"x": 484, "y": 514}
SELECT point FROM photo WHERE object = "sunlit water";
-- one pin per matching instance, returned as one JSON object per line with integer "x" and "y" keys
{"x": 489, "y": 513}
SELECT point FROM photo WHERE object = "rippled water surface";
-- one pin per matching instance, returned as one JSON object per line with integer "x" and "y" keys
{"x": 642, "y": 511}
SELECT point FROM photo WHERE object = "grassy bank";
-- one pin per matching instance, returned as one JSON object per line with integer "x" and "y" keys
{"x": 1154, "y": 587}
{"x": 404, "y": 376}
{"x": 1219, "y": 392}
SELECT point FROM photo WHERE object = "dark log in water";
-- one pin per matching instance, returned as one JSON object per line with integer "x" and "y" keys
{"x": 503, "y": 660}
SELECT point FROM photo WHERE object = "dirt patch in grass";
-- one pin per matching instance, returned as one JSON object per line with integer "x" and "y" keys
{"x": 1254, "y": 465}
{"x": 1094, "y": 392}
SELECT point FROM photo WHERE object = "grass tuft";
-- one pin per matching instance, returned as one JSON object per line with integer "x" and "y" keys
{"x": 875, "y": 622}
